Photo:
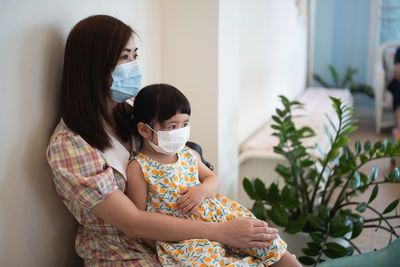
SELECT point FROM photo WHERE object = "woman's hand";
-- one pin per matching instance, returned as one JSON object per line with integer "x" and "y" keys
{"x": 190, "y": 200}
{"x": 246, "y": 232}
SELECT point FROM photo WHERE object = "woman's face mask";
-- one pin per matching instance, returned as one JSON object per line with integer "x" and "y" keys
{"x": 127, "y": 79}
{"x": 170, "y": 142}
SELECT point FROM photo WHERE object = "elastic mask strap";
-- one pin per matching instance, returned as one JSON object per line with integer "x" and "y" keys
{"x": 151, "y": 128}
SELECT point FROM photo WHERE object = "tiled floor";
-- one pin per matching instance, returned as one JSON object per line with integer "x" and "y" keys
{"x": 365, "y": 112}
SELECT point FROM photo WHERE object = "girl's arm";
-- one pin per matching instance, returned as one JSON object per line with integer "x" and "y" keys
{"x": 192, "y": 197}
{"x": 209, "y": 181}
{"x": 136, "y": 190}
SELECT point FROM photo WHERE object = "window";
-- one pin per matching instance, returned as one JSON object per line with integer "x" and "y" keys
{"x": 389, "y": 21}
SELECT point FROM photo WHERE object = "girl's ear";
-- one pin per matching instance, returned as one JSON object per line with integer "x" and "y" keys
{"x": 143, "y": 130}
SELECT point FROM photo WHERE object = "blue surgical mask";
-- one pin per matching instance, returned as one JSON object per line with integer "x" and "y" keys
{"x": 127, "y": 79}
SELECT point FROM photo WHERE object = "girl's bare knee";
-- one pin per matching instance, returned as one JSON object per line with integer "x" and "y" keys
{"x": 288, "y": 259}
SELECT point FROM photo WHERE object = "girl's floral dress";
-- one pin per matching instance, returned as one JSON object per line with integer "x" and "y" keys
{"x": 164, "y": 181}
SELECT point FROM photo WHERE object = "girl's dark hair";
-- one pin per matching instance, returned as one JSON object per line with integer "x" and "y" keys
{"x": 157, "y": 102}
{"x": 91, "y": 53}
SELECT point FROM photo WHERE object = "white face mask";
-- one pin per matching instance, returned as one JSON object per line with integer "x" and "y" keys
{"x": 170, "y": 142}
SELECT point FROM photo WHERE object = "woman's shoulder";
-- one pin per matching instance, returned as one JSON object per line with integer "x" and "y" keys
{"x": 64, "y": 139}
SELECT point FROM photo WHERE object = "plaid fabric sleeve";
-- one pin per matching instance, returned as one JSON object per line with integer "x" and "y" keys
{"x": 80, "y": 172}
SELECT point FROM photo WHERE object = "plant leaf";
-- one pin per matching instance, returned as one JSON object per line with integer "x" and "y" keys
{"x": 357, "y": 147}
{"x": 310, "y": 252}
{"x": 297, "y": 225}
{"x": 306, "y": 163}
{"x": 342, "y": 141}
{"x": 331, "y": 123}
{"x": 335, "y": 76}
{"x": 356, "y": 179}
{"x": 316, "y": 222}
{"x": 361, "y": 207}
{"x": 317, "y": 237}
{"x": 350, "y": 250}
{"x": 283, "y": 171}
{"x": 358, "y": 225}
{"x": 306, "y": 260}
{"x": 374, "y": 193}
{"x": 276, "y": 119}
{"x": 314, "y": 246}
{"x": 340, "y": 225}
{"x": 248, "y": 187}
{"x": 289, "y": 198}
{"x": 273, "y": 193}
{"x": 334, "y": 250}
{"x": 278, "y": 215}
{"x": 328, "y": 133}
{"x": 323, "y": 212}
{"x": 391, "y": 206}
{"x": 319, "y": 80}
{"x": 363, "y": 158}
{"x": 374, "y": 173}
{"x": 260, "y": 189}
{"x": 367, "y": 145}
{"x": 259, "y": 210}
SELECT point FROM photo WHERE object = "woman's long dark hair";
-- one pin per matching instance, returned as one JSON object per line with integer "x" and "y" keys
{"x": 91, "y": 53}
{"x": 157, "y": 102}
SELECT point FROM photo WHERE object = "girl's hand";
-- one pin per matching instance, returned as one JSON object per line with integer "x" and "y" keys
{"x": 191, "y": 199}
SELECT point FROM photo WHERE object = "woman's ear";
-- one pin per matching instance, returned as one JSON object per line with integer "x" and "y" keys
{"x": 143, "y": 130}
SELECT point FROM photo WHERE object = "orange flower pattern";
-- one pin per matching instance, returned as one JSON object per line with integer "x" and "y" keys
{"x": 164, "y": 180}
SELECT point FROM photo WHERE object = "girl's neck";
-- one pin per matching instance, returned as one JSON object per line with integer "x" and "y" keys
{"x": 147, "y": 150}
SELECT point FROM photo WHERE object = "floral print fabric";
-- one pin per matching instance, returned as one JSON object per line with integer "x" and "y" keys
{"x": 164, "y": 181}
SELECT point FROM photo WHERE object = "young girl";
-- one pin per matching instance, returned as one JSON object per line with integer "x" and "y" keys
{"x": 166, "y": 177}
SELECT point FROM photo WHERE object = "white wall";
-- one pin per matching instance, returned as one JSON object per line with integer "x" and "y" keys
{"x": 35, "y": 228}
{"x": 273, "y": 57}
{"x": 228, "y": 94}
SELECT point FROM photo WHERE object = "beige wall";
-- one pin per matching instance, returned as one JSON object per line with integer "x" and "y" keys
{"x": 35, "y": 228}
{"x": 189, "y": 61}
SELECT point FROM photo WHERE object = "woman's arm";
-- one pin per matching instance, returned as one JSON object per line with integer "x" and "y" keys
{"x": 136, "y": 191}
{"x": 118, "y": 210}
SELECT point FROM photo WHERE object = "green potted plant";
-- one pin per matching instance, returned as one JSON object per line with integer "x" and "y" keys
{"x": 317, "y": 196}
{"x": 346, "y": 82}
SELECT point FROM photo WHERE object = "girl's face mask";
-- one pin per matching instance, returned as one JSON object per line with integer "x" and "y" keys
{"x": 127, "y": 79}
{"x": 170, "y": 142}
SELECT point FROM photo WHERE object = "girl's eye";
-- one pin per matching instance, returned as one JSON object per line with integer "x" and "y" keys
{"x": 124, "y": 57}
{"x": 172, "y": 127}
{"x": 186, "y": 124}
{"x": 135, "y": 56}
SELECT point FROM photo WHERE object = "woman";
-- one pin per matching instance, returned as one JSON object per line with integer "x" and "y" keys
{"x": 88, "y": 157}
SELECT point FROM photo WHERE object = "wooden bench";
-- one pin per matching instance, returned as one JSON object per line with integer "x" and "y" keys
{"x": 256, "y": 154}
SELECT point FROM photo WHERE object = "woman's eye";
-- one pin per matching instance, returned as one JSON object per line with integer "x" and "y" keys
{"x": 135, "y": 56}
{"x": 186, "y": 124}
{"x": 172, "y": 127}
{"x": 124, "y": 57}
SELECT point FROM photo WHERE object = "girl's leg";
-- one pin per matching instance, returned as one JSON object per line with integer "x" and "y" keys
{"x": 287, "y": 260}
